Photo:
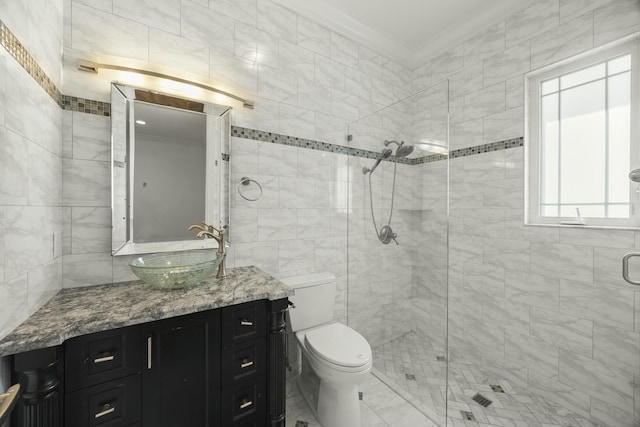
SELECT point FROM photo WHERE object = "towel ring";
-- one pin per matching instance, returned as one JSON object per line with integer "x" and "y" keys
{"x": 246, "y": 181}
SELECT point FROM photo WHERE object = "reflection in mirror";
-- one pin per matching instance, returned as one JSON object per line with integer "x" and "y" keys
{"x": 167, "y": 171}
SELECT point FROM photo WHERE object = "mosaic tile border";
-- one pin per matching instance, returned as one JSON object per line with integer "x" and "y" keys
{"x": 12, "y": 45}
{"x": 486, "y": 148}
{"x": 84, "y": 105}
{"x": 276, "y": 138}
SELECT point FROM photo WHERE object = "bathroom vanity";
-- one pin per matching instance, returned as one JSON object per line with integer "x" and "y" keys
{"x": 128, "y": 354}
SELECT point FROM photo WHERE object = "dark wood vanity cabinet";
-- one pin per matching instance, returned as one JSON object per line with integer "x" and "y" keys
{"x": 217, "y": 368}
{"x": 180, "y": 372}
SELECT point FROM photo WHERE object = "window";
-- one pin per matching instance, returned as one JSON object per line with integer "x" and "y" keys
{"x": 582, "y": 124}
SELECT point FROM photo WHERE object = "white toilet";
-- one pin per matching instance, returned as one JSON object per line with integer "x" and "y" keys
{"x": 335, "y": 358}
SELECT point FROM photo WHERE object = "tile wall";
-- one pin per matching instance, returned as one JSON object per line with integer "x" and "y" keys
{"x": 545, "y": 308}
{"x": 306, "y": 80}
{"x": 567, "y": 329}
{"x": 30, "y": 166}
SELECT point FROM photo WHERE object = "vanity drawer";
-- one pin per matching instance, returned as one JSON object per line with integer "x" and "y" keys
{"x": 244, "y": 361}
{"x": 244, "y": 403}
{"x": 114, "y": 404}
{"x": 244, "y": 321}
{"x": 103, "y": 356}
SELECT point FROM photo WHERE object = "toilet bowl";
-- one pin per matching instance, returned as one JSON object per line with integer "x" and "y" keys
{"x": 336, "y": 358}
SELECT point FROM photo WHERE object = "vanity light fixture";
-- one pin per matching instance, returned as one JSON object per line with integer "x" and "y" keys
{"x": 91, "y": 67}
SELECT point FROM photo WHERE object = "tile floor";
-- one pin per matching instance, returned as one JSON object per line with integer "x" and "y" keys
{"x": 411, "y": 367}
{"x": 380, "y": 407}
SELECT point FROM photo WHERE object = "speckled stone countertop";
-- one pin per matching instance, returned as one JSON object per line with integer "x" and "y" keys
{"x": 81, "y": 311}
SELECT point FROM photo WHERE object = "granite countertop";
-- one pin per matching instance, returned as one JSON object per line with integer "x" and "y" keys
{"x": 81, "y": 311}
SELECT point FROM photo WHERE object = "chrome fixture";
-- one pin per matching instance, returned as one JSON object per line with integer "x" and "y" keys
{"x": 402, "y": 150}
{"x": 386, "y": 234}
{"x": 634, "y": 175}
{"x": 217, "y": 234}
{"x": 625, "y": 268}
{"x": 92, "y": 67}
{"x": 245, "y": 181}
{"x": 385, "y": 154}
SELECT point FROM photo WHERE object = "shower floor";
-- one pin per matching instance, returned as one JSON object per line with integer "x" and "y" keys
{"x": 411, "y": 367}
{"x": 380, "y": 407}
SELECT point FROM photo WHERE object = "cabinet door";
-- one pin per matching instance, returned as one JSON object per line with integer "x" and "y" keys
{"x": 180, "y": 375}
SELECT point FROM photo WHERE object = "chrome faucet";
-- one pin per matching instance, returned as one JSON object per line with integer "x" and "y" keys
{"x": 217, "y": 234}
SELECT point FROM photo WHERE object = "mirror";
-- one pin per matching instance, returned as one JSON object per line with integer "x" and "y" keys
{"x": 169, "y": 170}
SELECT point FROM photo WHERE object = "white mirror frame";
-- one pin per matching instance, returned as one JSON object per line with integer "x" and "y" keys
{"x": 217, "y": 203}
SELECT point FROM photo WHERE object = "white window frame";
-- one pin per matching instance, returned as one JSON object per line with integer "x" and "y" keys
{"x": 532, "y": 144}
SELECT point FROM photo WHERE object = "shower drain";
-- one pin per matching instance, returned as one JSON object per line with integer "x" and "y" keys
{"x": 302, "y": 424}
{"x": 497, "y": 388}
{"x": 466, "y": 415}
{"x": 441, "y": 358}
{"x": 481, "y": 400}
{"x": 410, "y": 377}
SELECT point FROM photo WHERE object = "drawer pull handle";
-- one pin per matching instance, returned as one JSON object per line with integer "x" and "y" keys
{"x": 246, "y": 363}
{"x": 245, "y": 322}
{"x": 245, "y": 404}
{"x": 149, "y": 350}
{"x": 108, "y": 409}
{"x": 104, "y": 359}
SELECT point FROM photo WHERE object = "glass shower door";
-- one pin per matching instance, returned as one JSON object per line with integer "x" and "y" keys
{"x": 397, "y": 250}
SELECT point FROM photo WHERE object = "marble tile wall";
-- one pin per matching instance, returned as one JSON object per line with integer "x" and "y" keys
{"x": 307, "y": 82}
{"x": 512, "y": 303}
{"x": 486, "y": 71}
{"x": 30, "y": 165}
{"x": 544, "y": 308}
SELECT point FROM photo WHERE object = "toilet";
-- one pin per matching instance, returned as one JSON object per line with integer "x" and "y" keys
{"x": 335, "y": 358}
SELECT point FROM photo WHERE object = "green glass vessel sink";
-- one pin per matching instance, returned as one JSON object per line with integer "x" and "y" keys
{"x": 175, "y": 270}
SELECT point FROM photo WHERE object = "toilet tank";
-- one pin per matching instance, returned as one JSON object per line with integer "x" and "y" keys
{"x": 314, "y": 300}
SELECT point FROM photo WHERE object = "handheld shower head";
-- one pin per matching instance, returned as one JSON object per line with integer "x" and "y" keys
{"x": 384, "y": 154}
{"x": 402, "y": 150}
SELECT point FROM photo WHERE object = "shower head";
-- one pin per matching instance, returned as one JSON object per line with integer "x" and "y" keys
{"x": 404, "y": 151}
{"x": 634, "y": 175}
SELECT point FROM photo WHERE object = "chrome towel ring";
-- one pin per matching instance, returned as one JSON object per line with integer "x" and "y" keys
{"x": 246, "y": 181}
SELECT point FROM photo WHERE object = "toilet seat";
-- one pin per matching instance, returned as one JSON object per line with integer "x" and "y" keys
{"x": 338, "y": 346}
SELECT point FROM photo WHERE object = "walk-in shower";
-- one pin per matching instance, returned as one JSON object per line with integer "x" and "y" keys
{"x": 396, "y": 294}
{"x": 386, "y": 233}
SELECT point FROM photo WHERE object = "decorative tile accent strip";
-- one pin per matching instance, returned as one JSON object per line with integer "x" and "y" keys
{"x": 486, "y": 148}
{"x": 11, "y": 43}
{"x": 84, "y": 105}
{"x": 276, "y": 138}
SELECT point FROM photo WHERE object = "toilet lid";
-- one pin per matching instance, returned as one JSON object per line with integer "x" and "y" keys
{"x": 339, "y": 344}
